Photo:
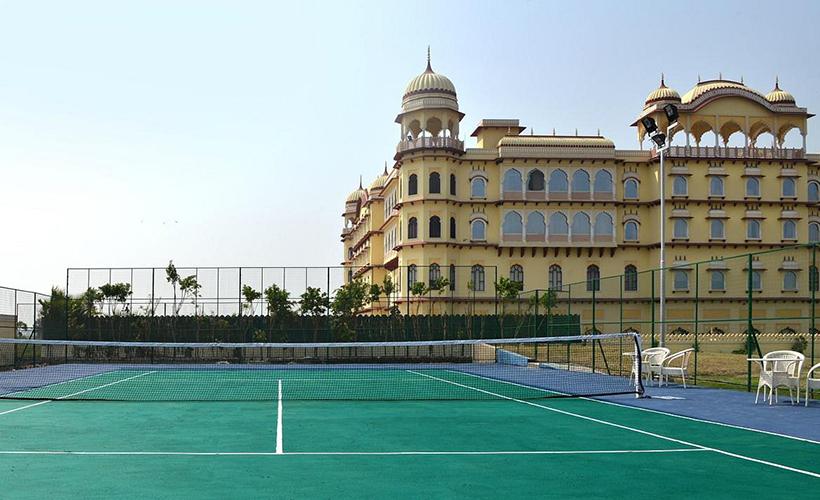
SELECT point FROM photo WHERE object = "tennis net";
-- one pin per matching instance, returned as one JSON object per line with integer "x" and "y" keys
{"x": 531, "y": 368}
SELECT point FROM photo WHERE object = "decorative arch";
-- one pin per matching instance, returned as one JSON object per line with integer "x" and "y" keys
{"x": 603, "y": 182}
{"x": 580, "y": 181}
{"x": 728, "y": 129}
{"x": 558, "y": 227}
{"x": 604, "y": 228}
{"x": 535, "y": 180}
{"x": 512, "y": 226}
{"x": 558, "y": 184}
{"x": 536, "y": 226}
{"x": 512, "y": 182}
{"x": 699, "y": 128}
{"x": 581, "y": 227}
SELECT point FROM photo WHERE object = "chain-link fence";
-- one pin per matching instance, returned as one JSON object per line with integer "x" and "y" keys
{"x": 20, "y": 312}
{"x": 728, "y": 309}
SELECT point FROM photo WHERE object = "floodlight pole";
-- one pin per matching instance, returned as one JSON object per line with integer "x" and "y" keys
{"x": 662, "y": 183}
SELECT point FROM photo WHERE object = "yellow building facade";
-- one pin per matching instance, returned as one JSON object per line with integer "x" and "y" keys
{"x": 552, "y": 210}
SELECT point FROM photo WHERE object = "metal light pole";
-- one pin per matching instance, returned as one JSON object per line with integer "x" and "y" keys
{"x": 660, "y": 139}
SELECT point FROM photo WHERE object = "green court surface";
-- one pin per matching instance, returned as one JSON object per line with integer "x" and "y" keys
{"x": 499, "y": 446}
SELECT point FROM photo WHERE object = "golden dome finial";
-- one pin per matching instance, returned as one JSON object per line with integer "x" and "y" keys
{"x": 663, "y": 84}
{"x": 777, "y": 83}
{"x": 720, "y": 75}
{"x": 385, "y": 167}
{"x": 429, "y": 68}
{"x": 360, "y": 181}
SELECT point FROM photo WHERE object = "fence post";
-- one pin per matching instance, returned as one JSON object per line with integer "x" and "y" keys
{"x": 66, "y": 305}
{"x": 814, "y": 281}
{"x": 535, "y": 319}
{"x": 697, "y": 304}
{"x": 652, "y": 306}
{"x": 569, "y": 306}
{"x": 620, "y": 303}
{"x": 749, "y": 325}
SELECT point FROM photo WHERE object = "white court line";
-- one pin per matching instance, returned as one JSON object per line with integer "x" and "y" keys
{"x": 75, "y": 394}
{"x": 334, "y": 453}
{"x": 279, "y": 430}
{"x": 58, "y": 383}
{"x": 625, "y": 427}
{"x": 650, "y": 410}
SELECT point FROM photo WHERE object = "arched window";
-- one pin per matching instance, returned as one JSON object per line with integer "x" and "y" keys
{"x": 517, "y": 274}
{"x": 789, "y": 230}
{"x": 558, "y": 224}
{"x": 716, "y": 186}
{"x": 790, "y": 281}
{"x": 512, "y": 225}
{"x": 580, "y": 181}
{"x": 603, "y": 181}
{"x": 752, "y": 187}
{"x": 536, "y": 225}
{"x": 593, "y": 278}
{"x": 716, "y": 229}
{"x": 434, "y": 274}
{"x": 350, "y": 253}
{"x": 535, "y": 180}
{"x": 435, "y": 183}
{"x": 580, "y": 224}
{"x": 413, "y": 185}
{"x": 814, "y": 191}
{"x": 753, "y": 229}
{"x": 630, "y": 278}
{"x": 412, "y": 228}
{"x": 412, "y": 275}
{"x": 680, "y": 280}
{"x": 681, "y": 228}
{"x": 631, "y": 231}
{"x": 452, "y": 276}
{"x": 435, "y": 227}
{"x": 679, "y": 186}
{"x": 789, "y": 190}
{"x": 603, "y": 225}
{"x": 478, "y": 230}
{"x": 477, "y": 278}
{"x": 558, "y": 182}
{"x": 631, "y": 189}
{"x": 512, "y": 181}
{"x": 718, "y": 281}
{"x": 478, "y": 188}
{"x": 452, "y": 227}
{"x": 556, "y": 277}
{"x": 814, "y": 278}
{"x": 757, "y": 280}
{"x": 453, "y": 184}
{"x": 814, "y": 232}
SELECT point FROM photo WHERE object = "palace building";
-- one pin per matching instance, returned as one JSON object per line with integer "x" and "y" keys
{"x": 549, "y": 210}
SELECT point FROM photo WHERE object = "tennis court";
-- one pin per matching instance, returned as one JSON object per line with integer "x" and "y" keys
{"x": 416, "y": 429}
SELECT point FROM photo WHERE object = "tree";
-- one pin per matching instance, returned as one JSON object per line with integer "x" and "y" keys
{"x": 388, "y": 287}
{"x": 189, "y": 286}
{"x": 438, "y": 285}
{"x": 279, "y": 310}
{"x": 172, "y": 277}
{"x": 115, "y": 294}
{"x": 507, "y": 290}
{"x": 314, "y": 303}
{"x": 418, "y": 289}
{"x": 349, "y": 300}
{"x": 250, "y": 295}
{"x": 374, "y": 293}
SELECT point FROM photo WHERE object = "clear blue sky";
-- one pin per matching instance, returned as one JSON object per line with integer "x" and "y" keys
{"x": 229, "y": 133}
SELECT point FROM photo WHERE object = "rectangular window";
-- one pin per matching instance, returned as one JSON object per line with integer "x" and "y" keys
{"x": 718, "y": 281}
{"x": 681, "y": 280}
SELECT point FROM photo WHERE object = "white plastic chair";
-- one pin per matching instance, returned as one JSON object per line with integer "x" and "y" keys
{"x": 676, "y": 365}
{"x": 812, "y": 382}
{"x": 652, "y": 361}
{"x": 780, "y": 369}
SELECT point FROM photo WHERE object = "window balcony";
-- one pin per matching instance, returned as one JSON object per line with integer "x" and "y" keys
{"x": 733, "y": 153}
{"x": 430, "y": 143}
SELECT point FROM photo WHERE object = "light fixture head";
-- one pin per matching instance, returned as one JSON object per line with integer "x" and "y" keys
{"x": 671, "y": 113}
{"x": 649, "y": 124}
{"x": 660, "y": 139}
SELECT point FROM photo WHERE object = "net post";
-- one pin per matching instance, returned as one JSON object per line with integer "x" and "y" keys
{"x": 652, "y": 308}
{"x": 535, "y": 318}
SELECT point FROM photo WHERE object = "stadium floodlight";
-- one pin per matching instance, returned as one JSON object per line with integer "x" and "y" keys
{"x": 660, "y": 140}
{"x": 671, "y": 114}
{"x": 649, "y": 124}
